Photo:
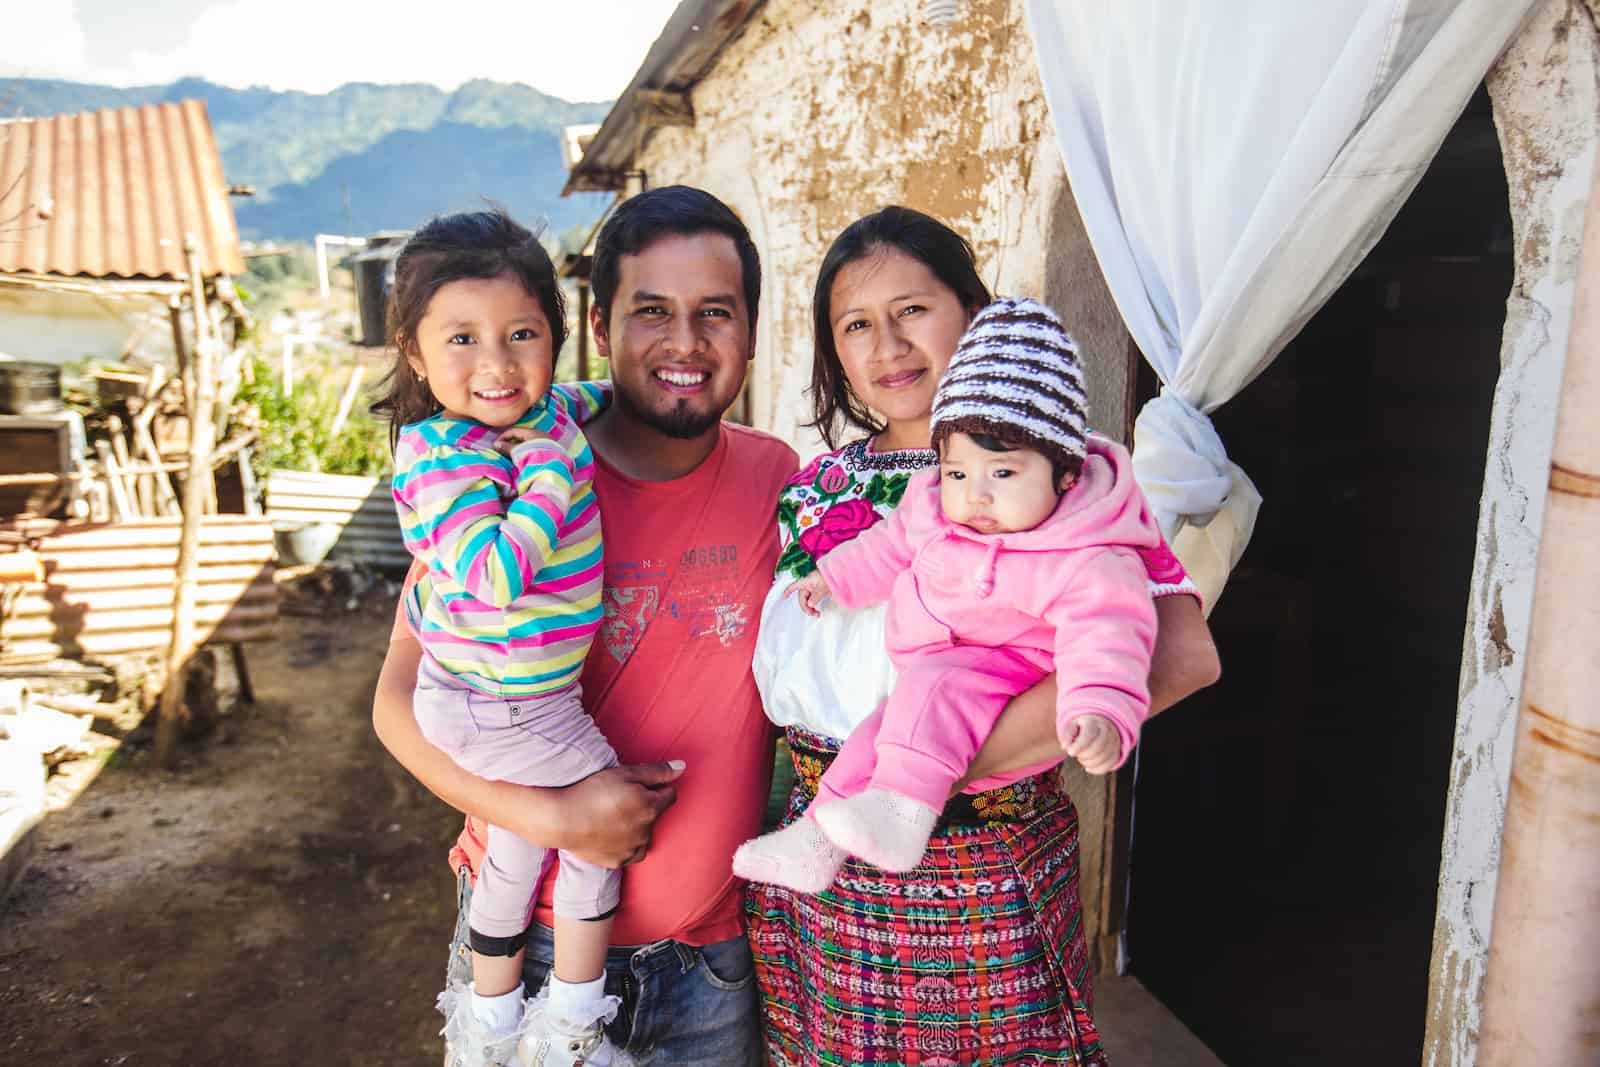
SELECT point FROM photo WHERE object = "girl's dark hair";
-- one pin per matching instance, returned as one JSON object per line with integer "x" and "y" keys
{"x": 1060, "y": 467}
{"x": 474, "y": 244}
{"x": 922, "y": 237}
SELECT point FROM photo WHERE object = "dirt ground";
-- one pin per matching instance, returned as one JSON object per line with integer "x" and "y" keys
{"x": 281, "y": 898}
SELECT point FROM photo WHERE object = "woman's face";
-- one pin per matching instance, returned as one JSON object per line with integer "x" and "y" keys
{"x": 895, "y": 326}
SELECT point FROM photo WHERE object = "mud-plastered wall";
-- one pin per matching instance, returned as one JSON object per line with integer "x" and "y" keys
{"x": 822, "y": 112}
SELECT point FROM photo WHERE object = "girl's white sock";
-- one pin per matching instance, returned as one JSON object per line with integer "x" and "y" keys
{"x": 568, "y": 1000}
{"x": 498, "y": 1013}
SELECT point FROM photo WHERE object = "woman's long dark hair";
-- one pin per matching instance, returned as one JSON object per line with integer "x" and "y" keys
{"x": 474, "y": 244}
{"x": 922, "y": 237}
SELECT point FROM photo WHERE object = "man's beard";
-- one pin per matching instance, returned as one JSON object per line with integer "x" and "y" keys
{"x": 680, "y": 422}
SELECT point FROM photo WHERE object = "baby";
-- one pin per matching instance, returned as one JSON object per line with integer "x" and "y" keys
{"x": 1015, "y": 558}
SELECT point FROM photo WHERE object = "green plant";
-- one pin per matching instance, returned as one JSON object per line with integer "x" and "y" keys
{"x": 296, "y": 430}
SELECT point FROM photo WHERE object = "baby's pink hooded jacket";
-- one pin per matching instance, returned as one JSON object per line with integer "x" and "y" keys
{"x": 1071, "y": 595}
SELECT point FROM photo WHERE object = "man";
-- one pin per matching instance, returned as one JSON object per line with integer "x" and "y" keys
{"x": 687, "y": 507}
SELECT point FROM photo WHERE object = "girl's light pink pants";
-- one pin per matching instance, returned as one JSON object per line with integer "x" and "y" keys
{"x": 546, "y": 741}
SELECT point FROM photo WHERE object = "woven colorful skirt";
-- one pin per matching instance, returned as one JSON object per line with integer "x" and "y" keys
{"x": 976, "y": 957}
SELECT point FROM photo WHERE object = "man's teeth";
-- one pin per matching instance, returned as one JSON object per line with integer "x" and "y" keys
{"x": 682, "y": 377}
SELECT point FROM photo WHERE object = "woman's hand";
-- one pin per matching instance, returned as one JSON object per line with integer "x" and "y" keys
{"x": 612, "y": 813}
{"x": 1094, "y": 743}
{"x": 811, "y": 591}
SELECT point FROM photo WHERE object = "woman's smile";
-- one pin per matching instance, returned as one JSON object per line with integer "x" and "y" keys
{"x": 900, "y": 379}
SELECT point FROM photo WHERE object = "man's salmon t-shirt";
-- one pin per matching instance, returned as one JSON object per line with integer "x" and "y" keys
{"x": 688, "y": 563}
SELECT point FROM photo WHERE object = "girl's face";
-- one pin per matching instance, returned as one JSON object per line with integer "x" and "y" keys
{"x": 895, "y": 326}
{"x": 995, "y": 492}
{"x": 484, "y": 349}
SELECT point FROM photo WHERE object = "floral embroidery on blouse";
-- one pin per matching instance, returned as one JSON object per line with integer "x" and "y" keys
{"x": 837, "y": 496}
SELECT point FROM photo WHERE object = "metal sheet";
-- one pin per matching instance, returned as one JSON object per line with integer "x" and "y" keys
{"x": 362, "y": 508}
{"x": 111, "y": 194}
{"x": 108, "y": 589}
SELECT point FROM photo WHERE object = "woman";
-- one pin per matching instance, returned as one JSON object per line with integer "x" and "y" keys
{"x": 978, "y": 955}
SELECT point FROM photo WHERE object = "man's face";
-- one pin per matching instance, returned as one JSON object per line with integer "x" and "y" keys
{"x": 678, "y": 334}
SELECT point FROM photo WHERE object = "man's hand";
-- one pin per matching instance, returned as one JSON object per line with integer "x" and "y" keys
{"x": 613, "y": 812}
{"x": 811, "y": 591}
{"x": 1094, "y": 743}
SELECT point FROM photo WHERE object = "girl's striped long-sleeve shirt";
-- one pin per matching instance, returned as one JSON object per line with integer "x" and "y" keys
{"x": 512, "y": 545}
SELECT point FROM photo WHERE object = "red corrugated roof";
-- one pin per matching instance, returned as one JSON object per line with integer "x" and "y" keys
{"x": 119, "y": 190}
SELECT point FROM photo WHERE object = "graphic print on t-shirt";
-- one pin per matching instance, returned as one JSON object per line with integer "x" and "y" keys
{"x": 706, "y": 596}
{"x": 630, "y": 599}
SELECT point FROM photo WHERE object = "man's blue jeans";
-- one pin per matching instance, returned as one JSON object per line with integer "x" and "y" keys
{"x": 682, "y": 1006}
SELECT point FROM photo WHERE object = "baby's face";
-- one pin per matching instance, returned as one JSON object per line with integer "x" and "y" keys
{"x": 994, "y": 492}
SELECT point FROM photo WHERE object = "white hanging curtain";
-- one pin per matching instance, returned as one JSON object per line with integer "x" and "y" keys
{"x": 1234, "y": 160}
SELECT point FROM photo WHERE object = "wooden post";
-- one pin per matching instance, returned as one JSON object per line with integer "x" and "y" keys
{"x": 583, "y": 330}
{"x": 346, "y": 401}
{"x": 1541, "y": 988}
{"x": 196, "y": 489}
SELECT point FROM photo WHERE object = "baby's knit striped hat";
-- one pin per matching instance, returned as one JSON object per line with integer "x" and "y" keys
{"x": 1015, "y": 374}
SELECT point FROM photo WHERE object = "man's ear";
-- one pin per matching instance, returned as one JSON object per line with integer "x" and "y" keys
{"x": 601, "y": 330}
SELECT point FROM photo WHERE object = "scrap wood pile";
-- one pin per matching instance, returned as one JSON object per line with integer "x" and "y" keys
{"x": 122, "y": 508}
{"x": 117, "y": 449}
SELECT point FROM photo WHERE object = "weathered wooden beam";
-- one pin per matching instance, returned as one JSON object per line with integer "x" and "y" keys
{"x": 198, "y": 488}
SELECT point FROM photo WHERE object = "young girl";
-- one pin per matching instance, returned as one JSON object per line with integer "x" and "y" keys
{"x": 1018, "y": 556}
{"x": 493, "y": 487}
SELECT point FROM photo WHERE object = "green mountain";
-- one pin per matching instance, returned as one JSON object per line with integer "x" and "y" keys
{"x": 365, "y": 157}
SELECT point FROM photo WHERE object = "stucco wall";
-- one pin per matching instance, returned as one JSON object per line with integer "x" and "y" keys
{"x": 66, "y": 327}
{"x": 822, "y": 112}
{"x": 1546, "y": 93}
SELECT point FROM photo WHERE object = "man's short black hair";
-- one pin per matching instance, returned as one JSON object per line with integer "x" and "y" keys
{"x": 640, "y": 221}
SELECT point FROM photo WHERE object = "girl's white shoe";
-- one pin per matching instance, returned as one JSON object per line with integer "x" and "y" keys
{"x": 548, "y": 1040}
{"x": 468, "y": 1040}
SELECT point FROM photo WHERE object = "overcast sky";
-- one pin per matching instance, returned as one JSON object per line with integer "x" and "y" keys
{"x": 574, "y": 49}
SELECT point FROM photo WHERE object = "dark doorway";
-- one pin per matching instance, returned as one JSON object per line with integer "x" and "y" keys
{"x": 1288, "y": 822}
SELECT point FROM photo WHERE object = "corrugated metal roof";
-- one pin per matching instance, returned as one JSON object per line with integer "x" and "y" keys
{"x": 112, "y": 193}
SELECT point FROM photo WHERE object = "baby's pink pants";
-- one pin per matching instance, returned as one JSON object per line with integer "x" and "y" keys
{"x": 922, "y": 739}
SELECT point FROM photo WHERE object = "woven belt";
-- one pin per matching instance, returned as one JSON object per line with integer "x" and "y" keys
{"x": 1019, "y": 802}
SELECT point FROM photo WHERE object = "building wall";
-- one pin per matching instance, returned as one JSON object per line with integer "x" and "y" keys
{"x": 1546, "y": 93}
{"x": 824, "y": 111}
{"x": 68, "y": 327}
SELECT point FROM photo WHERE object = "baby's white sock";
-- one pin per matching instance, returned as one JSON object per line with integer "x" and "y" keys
{"x": 575, "y": 1001}
{"x": 499, "y": 1013}
{"x": 798, "y": 856}
{"x": 887, "y": 829}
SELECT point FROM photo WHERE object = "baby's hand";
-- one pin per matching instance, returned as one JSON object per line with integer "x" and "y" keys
{"x": 1094, "y": 743}
{"x": 812, "y": 591}
{"x": 511, "y": 437}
